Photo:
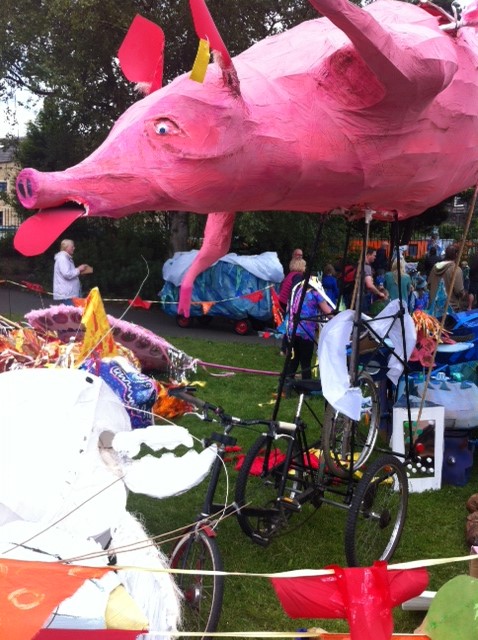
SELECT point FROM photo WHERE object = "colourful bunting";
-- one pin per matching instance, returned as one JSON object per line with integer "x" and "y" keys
{"x": 255, "y": 296}
{"x": 33, "y": 286}
{"x": 362, "y": 595}
{"x": 30, "y": 591}
{"x": 206, "y": 307}
{"x": 276, "y": 308}
{"x": 98, "y": 337}
{"x": 139, "y": 303}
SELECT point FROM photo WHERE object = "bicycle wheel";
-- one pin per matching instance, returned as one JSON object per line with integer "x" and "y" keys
{"x": 264, "y": 512}
{"x": 202, "y": 593}
{"x": 377, "y": 513}
{"x": 337, "y": 431}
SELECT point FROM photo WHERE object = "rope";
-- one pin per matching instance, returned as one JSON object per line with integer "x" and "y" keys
{"x": 239, "y": 369}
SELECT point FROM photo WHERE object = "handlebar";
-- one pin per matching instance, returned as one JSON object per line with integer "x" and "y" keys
{"x": 206, "y": 408}
{"x": 185, "y": 393}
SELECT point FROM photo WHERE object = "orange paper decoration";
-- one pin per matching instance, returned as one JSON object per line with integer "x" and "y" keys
{"x": 30, "y": 591}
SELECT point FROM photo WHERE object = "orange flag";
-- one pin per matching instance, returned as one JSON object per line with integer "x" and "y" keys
{"x": 30, "y": 591}
{"x": 98, "y": 336}
{"x": 206, "y": 307}
{"x": 276, "y": 310}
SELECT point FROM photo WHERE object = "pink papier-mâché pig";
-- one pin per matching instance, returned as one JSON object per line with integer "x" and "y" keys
{"x": 364, "y": 109}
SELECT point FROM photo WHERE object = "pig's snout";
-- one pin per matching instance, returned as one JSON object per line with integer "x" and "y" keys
{"x": 27, "y": 188}
{"x": 38, "y": 190}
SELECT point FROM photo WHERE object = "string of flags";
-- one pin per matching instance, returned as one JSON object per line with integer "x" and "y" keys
{"x": 206, "y": 305}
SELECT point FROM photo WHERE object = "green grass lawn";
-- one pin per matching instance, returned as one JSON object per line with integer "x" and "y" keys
{"x": 434, "y": 527}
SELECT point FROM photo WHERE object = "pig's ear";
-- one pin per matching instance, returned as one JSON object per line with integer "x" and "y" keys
{"x": 207, "y": 31}
{"x": 141, "y": 54}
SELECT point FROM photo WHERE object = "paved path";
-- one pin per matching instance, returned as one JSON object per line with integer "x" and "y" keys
{"x": 15, "y": 302}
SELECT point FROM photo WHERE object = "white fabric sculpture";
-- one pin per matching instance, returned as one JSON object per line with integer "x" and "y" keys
{"x": 332, "y": 353}
{"x": 63, "y": 487}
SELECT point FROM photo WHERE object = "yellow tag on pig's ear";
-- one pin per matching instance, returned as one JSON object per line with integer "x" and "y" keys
{"x": 198, "y": 72}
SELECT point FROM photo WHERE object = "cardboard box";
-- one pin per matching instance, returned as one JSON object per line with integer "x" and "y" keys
{"x": 427, "y": 434}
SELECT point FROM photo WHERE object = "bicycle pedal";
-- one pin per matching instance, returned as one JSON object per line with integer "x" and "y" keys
{"x": 290, "y": 503}
{"x": 260, "y": 540}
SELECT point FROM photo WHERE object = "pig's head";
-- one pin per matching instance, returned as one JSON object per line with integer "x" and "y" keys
{"x": 153, "y": 159}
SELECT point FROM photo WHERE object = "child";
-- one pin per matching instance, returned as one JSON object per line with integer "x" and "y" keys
{"x": 329, "y": 282}
{"x": 420, "y": 298}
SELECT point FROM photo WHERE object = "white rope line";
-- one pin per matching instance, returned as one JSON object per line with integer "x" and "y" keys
{"x": 295, "y": 573}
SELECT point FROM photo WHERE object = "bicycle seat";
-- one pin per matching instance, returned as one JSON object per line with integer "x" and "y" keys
{"x": 307, "y": 387}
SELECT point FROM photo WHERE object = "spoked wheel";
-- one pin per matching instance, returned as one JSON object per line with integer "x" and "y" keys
{"x": 202, "y": 593}
{"x": 264, "y": 513}
{"x": 377, "y": 513}
{"x": 337, "y": 431}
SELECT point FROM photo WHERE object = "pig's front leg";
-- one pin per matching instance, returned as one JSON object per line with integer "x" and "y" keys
{"x": 217, "y": 240}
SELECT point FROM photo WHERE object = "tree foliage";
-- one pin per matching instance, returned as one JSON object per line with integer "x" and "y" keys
{"x": 64, "y": 50}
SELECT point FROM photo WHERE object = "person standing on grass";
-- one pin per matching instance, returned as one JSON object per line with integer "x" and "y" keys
{"x": 380, "y": 264}
{"x": 297, "y": 269}
{"x": 370, "y": 291}
{"x": 391, "y": 282}
{"x": 444, "y": 270}
{"x": 329, "y": 282}
{"x": 66, "y": 277}
{"x": 314, "y": 307}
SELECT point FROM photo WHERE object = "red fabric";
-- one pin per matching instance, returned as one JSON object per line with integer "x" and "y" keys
{"x": 33, "y": 286}
{"x": 138, "y": 302}
{"x": 255, "y": 296}
{"x": 141, "y": 54}
{"x": 207, "y": 30}
{"x": 349, "y": 273}
{"x": 275, "y": 457}
{"x": 80, "y": 634}
{"x": 364, "y": 596}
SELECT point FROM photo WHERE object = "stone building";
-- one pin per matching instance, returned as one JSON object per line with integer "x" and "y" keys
{"x": 9, "y": 221}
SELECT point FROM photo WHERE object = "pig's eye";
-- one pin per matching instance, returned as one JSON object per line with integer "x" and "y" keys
{"x": 165, "y": 127}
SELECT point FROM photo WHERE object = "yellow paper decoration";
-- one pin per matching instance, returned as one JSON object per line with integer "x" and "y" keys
{"x": 98, "y": 337}
{"x": 122, "y": 612}
{"x": 198, "y": 72}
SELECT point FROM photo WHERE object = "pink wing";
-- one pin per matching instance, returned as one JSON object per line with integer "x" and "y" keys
{"x": 141, "y": 53}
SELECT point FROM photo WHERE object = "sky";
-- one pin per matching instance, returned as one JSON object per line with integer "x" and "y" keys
{"x": 23, "y": 114}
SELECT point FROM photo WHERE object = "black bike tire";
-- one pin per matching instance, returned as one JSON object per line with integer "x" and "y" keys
{"x": 209, "y": 558}
{"x": 337, "y": 461}
{"x": 262, "y": 530}
{"x": 365, "y": 543}
{"x": 242, "y": 483}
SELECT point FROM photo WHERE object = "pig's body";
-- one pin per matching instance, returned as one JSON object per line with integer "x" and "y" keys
{"x": 377, "y": 111}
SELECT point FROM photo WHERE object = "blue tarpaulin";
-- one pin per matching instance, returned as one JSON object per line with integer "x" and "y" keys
{"x": 226, "y": 283}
